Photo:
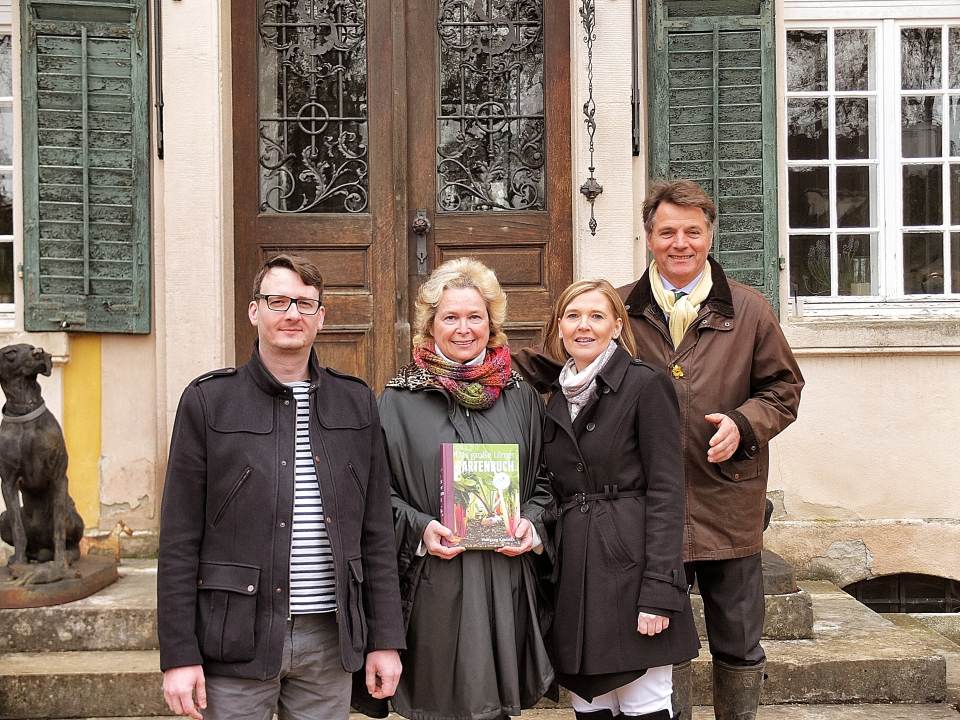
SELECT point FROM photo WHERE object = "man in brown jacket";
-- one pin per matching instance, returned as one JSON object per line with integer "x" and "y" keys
{"x": 738, "y": 386}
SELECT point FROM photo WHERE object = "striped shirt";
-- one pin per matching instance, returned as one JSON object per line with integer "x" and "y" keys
{"x": 312, "y": 579}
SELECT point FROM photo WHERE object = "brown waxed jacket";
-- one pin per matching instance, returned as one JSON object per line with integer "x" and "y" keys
{"x": 734, "y": 360}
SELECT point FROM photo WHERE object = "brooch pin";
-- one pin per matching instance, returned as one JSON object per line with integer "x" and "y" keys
{"x": 677, "y": 372}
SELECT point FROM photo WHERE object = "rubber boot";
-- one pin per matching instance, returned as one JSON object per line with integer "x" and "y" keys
{"x": 682, "y": 691}
{"x": 736, "y": 690}
{"x": 594, "y": 715}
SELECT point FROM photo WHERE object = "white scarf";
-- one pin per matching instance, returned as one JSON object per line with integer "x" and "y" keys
{"x": 578, "y": 387}
{"x": 682, "y": 312}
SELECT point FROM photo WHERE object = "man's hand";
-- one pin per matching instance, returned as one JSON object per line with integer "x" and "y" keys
{"x": 725, "y": 441}
{"x": 648, "y": 624}
{"x": 431, "y": 541}
{"x": 524, "y": 534}
{"x": 179, "y": 684}
{"x": 383, "y": 673}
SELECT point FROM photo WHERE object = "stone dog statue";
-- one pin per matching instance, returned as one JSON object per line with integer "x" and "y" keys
{"x": 46, "y": 528}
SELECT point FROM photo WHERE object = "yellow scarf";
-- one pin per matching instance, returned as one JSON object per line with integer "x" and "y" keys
{"x": 684, "y": 311}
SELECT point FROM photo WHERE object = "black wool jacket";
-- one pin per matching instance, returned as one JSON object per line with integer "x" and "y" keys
{"x": 226, "y": 520}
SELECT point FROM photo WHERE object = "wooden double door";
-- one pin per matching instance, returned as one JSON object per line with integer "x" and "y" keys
{"x": 380, "y": 139}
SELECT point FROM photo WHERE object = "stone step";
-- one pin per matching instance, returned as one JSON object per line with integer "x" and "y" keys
{"x": 788, "y": 616}
{"x": 856, "y": 656}
{"x": 122, "y": 616}
{"x": 769, "y": 712}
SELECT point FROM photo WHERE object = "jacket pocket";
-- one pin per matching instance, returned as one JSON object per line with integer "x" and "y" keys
{"x": 738, "y": 470}
{"x": 356, "y": 478}
{"x": 232, "y": 494}
{"x": 612, "y": 539}
{"x": 227, "y": 611}
{"x": 355, "y": 614}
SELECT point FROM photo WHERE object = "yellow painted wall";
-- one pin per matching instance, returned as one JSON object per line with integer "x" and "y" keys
{"x": 81, "y": 424}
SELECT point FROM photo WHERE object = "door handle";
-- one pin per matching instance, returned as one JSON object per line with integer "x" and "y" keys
{"x": 421, "y": 226}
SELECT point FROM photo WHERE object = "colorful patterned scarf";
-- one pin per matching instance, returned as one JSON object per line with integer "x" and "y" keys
{"x": 475, "y": 387}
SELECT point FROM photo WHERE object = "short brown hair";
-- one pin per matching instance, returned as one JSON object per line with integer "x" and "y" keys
{"x": 684, "y": 193}
{"x": 554, "y": 345}
{"x": 308, "y": 272}
{"x": 461, "y": 272}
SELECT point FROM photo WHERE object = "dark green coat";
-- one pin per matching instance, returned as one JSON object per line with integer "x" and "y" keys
{"x": 475, "y": 623}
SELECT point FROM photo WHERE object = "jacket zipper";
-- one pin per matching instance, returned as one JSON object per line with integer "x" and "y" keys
{"x": 233, "y": 491}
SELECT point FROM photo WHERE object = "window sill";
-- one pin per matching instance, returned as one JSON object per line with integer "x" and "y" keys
{"x": 55, "y": 343}
{"x": 874, "y": 334}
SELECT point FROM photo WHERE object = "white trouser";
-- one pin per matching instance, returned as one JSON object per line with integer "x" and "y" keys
{"x": 647, "y": 694}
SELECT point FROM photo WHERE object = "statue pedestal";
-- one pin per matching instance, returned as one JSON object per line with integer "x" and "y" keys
{"x": 88, "y": 574}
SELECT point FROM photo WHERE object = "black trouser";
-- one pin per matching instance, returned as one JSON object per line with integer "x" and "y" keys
{"x": 732, "y": 592}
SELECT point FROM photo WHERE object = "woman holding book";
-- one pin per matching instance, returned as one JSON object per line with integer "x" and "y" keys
{"x": 612, "y": 451}
{"x": 474, "y": 643}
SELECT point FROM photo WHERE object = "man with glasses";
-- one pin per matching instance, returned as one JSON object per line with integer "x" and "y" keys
{"x": 277, "y": 574}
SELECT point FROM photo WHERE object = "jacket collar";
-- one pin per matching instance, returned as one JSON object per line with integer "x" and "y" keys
{"x": 720, "y": 298}
{"x": 265, "y": 380}
{"x": 611, "y": 375}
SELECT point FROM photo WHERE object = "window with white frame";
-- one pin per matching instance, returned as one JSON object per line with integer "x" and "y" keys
{"x": 873, "y": 160}
{"x": 6, "y": 173}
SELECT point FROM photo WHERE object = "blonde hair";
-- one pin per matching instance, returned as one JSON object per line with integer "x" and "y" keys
{"x": 460, "y": 272}
{"x": 554, "y": 345}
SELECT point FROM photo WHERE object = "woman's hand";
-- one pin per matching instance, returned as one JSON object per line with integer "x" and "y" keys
{"x": 648, "y": 624}
{"x": 432, "y": 535}
{"x": 525, "y": 535}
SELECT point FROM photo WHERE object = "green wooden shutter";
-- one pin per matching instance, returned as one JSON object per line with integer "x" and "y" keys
{"x": 86, "y": 166}
{"x": 713, "y": 120}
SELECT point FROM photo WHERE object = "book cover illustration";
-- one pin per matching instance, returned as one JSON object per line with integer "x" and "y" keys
{"x": 480, "y": 494}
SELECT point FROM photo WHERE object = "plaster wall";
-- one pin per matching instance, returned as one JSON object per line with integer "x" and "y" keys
{"x": 611, "y": 252}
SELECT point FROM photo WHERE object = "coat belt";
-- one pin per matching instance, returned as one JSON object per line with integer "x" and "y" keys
{"x": 583, "y": 499}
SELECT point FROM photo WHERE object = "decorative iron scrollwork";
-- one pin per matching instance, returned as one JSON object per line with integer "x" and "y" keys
{"x": 592, "y": 188}
{"x": 491, "y": 142}
{"x": 313, "y": 106}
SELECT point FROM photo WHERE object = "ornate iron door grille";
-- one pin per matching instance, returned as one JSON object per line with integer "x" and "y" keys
{"x": 313, "y": 106}
{"x": 491, "y": 150}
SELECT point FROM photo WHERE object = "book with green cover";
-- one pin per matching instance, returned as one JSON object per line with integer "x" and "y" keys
{"x": 480, "y": 494}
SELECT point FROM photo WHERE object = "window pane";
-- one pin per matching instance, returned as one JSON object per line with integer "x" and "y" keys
{"x": 854, "y": 128}
{"x": 856, "y": 264}
{"x": 955, "y": 194}
{"x": 6, "y": 272}
{"x": 855, "y": 186}
{"x": 809, "y": 265}
{"x": 922, "y": 195}
{"x": 809, "y": 197}
{"x": 921, "y": 126}
{"x": 922, "y": 263}
{"x": 955, "y": 261}
{"x": 920, "y": 58}
{"x": 6, "y": 204}
{"x": 854, "y": 59}
{"x": 6, "y": 134}
{"x": 955, "y": 126}
{"x": 807, "y": 129}
{"x": 955, "y": 57}
{"x": 6, "y": 83}
{"x": 807, "y": 60}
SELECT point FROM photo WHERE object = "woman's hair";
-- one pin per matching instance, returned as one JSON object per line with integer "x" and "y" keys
{"x": 460, "y": 272}
{"x": 554, "y": 345}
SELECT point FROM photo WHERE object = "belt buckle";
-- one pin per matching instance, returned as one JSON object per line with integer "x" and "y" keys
{"x": 581, "y": 499}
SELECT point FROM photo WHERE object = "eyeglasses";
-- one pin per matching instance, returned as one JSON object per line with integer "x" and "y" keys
{"x": 282, "y": 303}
